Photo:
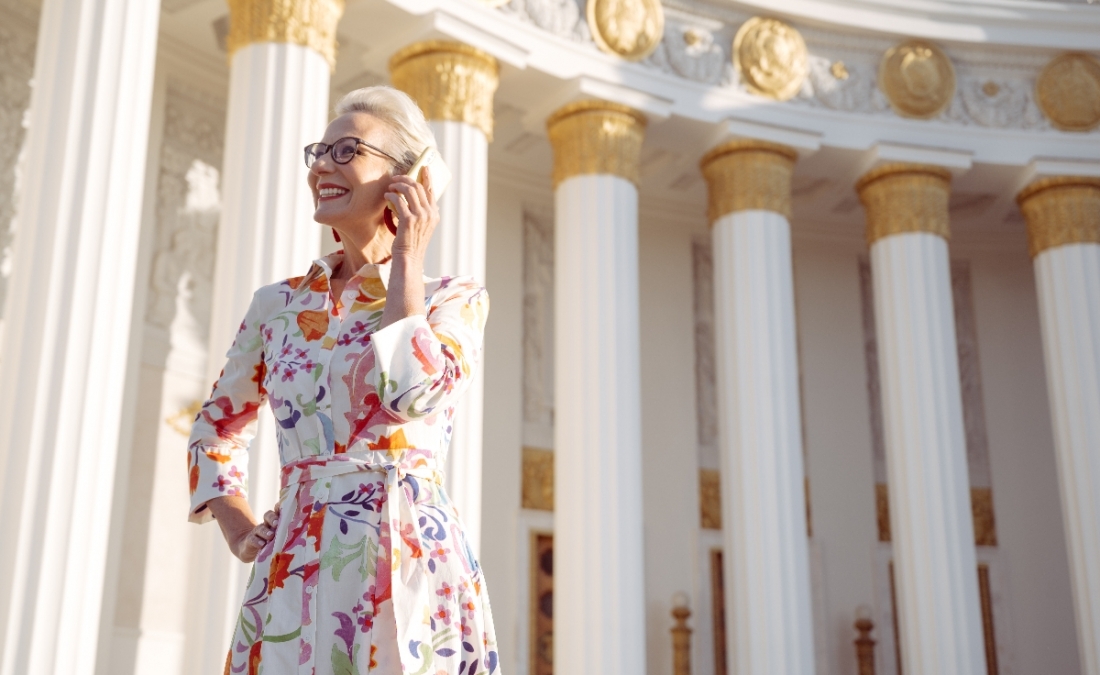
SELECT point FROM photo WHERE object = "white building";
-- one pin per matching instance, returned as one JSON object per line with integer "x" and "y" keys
{"x": 837, "y": 261}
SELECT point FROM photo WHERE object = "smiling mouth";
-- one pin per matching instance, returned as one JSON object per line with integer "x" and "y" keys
{"x": 331, "y": 192}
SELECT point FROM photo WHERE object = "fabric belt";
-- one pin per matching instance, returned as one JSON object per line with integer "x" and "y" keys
{"x": 408, "y": 576}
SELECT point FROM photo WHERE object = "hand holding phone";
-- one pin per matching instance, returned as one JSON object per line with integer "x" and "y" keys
{"x": 440, "y": 177}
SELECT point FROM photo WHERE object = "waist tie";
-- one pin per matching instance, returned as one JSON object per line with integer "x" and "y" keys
{"x": 408, "y": 577}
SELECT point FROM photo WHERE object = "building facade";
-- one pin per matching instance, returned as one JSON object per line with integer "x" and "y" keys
{"x": 795, "y": 327}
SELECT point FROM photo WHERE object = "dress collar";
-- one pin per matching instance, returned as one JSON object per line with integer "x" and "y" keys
{"x": 325, "y": 266}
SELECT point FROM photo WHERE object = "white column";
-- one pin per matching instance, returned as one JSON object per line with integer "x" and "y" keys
{"x": 933, "y": 534}
{"x": 278, "y": 103}
{"x": 1063, "y": 218}
{"x": 454, "y": 84}
{"x": 599, "y": 589}
{"x": 67, "y": 327}
{"x": 759, "y": 418}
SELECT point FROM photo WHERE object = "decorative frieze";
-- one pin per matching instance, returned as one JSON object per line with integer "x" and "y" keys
{"x": 596, "y": 137}
{"x": 902, "y": 197}
{"x": 310, "y": 23}
{"x": 449, "y": 81}
{"x": 986, "y": 86}
{"x": 1061, "y": 210}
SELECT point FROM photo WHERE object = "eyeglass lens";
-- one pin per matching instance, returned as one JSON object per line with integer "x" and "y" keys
{"x": 343, "y": 151}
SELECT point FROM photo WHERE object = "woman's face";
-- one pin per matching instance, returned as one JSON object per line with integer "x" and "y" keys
{"x": 349, "y": 197}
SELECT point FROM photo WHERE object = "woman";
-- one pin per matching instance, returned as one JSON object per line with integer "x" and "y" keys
{"x": 362, "y": 565}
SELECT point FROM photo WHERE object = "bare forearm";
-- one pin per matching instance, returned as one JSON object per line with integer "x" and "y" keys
{"x": 235, "y": 517}
{"x": 405, "y": 294}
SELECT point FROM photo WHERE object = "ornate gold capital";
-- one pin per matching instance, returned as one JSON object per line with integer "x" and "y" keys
{"x": 905, "y": 198}
{"x": 748, "y": 174}
{"x": 592, "y": 137}
{"x": 449, "y": 81}
{"x": 310, "y": 23}
{"x": 1061, "y": 210}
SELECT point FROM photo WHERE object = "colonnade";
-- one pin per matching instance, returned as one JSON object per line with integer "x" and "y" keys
{"x": 68, "y": 320}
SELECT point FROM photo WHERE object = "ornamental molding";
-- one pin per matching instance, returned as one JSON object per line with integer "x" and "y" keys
{"x": 187, "y": 210}
{"x": 1068, "y": 91}
{"x": 627, "y": 28}
{"x": 17, "y": 45}
{"x": 770, "y": 57}
{"x": 995, "y": 85}
{"x": 917, "y": 78}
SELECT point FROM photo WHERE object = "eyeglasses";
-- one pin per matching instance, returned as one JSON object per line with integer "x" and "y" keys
{"x": 343, "y": 151}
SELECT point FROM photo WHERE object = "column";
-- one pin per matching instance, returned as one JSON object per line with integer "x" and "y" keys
{"x": 454, "y": 85}
{"x": 933, "y": 534}
{"x": 281, "y": 56}
{"x": 67, "y": 327}
{"x": 759, "y": 418}
{"x": 1063, "y": 223}
{"x": 598, "y": 552}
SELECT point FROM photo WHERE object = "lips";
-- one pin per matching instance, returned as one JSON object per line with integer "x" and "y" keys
{"x": 326, "y": 191}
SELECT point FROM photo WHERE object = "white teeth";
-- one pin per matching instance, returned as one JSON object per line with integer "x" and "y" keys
{"x": 331, "y": 192}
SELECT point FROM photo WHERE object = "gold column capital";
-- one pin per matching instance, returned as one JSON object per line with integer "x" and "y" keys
{"x": 449, "y": 81}
{"x": 310, "y": 23}
{"x": 748, "y": 174}
{"x": 593, "y": 137}
{"x": 903, "y": 197}
{"x": 1061, "y": 210}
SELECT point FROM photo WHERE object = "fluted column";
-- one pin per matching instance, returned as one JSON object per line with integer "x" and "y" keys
{"x": 933, "y": 535}
{"x": 598, "y": 555}
{"x": 759, "y": 421}
{"x": 281, "y": 55}
{"x": 454, "y": 85}
{"x": 67, "y": 327}
{"x": 1063, "y": 221}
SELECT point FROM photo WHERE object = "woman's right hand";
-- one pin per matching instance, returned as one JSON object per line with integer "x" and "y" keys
{"x": 250, "y": 545}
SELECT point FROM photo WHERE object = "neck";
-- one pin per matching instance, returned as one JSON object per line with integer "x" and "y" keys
{"x": 358, "y": 253}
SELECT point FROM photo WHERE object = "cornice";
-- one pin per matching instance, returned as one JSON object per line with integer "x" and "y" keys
{"x": 1015, "y": 23}
{"x": 1006, "y": 128}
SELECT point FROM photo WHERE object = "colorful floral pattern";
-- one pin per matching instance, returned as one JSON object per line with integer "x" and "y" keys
{"x": 369, "y": 569}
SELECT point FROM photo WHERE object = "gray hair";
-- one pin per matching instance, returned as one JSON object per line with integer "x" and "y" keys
{"x": 410, "y": 134}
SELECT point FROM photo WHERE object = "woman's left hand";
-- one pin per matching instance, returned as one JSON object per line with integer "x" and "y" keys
{"x": 417, "y": 215}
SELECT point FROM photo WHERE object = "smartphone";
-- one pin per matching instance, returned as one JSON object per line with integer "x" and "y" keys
{"x": 441, "y": 177}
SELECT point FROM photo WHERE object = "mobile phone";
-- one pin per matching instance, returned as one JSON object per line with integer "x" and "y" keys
{"x": 441, "y": 174}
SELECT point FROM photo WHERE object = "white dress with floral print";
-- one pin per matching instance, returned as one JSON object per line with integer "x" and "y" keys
{"x": 369, "y": 568}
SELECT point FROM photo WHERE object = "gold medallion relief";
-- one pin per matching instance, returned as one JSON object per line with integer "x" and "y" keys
{"x": 917, "y": 78}
{"x": 771, "y": 58}
{"x": 1068, "y": 91}
{"x": 631, "y": 29}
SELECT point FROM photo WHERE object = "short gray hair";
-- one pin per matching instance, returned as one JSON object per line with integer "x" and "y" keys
{"x": 410, "y": 134}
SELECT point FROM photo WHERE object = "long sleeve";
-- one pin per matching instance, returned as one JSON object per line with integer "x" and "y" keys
{"x": 424, "y": 364}
{"x": 217, "y": 452}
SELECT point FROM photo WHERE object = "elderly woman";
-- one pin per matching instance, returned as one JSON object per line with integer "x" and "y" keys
{"x": 363, "y": 564}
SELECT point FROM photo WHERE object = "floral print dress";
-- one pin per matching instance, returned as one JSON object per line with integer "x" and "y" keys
{"x": 369, "y": 569}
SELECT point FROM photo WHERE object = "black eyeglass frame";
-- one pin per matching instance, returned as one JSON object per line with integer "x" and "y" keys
{"x": 328, "y": 149}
